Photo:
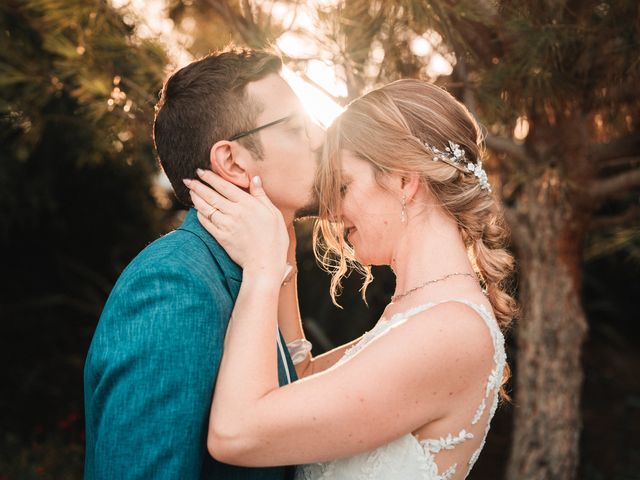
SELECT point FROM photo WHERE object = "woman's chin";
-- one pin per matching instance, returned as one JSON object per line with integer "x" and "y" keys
{"x": 361, "y": 259}
{"x": 370, "y": 260}
{"x": 362, "y": 256}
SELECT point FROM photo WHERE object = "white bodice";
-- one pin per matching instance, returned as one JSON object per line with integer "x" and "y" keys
{"x": 407, "y": 457}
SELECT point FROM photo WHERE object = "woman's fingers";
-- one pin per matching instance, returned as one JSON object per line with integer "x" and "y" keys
{"x": 247, "y": 225}
{"x": 222, "y": 186}
{"x": 209, "y": 195}
{"x": 211, "y": 213}
{"x": 212, "y": 228}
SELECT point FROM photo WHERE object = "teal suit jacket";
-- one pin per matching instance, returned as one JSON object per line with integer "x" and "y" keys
{"x": 150, "y": 372}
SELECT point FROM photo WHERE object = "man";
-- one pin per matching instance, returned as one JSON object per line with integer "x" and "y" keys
{"x": 151, "y": 369}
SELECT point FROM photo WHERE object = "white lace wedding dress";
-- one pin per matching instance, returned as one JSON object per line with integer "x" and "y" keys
{"x": 408, "y": 458}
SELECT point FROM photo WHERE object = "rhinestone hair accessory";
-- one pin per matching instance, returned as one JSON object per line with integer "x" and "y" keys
{"x": 454, "y": 154}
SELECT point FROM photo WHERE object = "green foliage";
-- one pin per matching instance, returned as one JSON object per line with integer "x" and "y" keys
{"x": 82, "y": 51}
{"x": 77, "y": 195}
{"x": 558, "y": 56}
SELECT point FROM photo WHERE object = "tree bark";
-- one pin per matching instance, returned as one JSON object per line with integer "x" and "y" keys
{"x": 550, "y": 334}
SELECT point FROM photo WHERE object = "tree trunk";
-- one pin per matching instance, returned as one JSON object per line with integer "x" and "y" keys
{"x": 550, "y": 334}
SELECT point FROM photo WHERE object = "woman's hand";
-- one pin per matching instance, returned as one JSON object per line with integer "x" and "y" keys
{"x": 247, "y": 225}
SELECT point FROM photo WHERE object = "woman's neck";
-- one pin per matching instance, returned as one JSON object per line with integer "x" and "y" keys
{"x": 430, "y": 248}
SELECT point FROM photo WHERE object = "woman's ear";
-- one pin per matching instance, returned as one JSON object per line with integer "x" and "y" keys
{"x": 410, "y": 183}
{"x": 228, "y": 161}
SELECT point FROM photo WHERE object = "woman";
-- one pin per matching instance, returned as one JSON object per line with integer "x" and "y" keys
{"x": 401, "y": 184}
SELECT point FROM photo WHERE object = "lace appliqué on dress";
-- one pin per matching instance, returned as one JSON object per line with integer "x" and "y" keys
{"x": 408, "y": 457}
{"x": 447, "y": 443}
{"x": 493, "y": 381}
{"x": 433, "y": 446}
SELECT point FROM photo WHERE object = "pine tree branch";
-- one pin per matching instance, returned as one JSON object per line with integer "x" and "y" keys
{"x": 620, "y": 183}
{"x": 508, "y": 147}
{"x": 618, "y": 94}
{"x": 474, "y": 37}
{"x": 622, "y": 147}
{"x": 468, "y": 95}
{"x": 244, "y": 25}
{"x": 150, "y": 99}
{"x": 498, "y": 144}
{"x": 622, "y": 162}
{"x": 339, "y": 100}
{"x": 604, "y": 223}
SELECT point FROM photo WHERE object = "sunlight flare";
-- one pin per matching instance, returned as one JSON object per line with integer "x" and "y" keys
{"x": 320, "y": 106}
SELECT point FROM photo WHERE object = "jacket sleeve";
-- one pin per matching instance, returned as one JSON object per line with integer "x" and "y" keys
{"x": 154, "y": 367}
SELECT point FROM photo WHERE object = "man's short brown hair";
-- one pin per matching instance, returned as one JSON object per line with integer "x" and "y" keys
{"x": 203, "y": 103}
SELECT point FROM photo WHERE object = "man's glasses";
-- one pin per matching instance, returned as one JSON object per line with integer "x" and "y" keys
{"x": 257, "y": 129}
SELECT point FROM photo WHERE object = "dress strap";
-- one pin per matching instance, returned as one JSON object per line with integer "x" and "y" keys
{"x": 499, "y": 357}
{"x": 479, "y": 308}
{"x": 384, "y": 325}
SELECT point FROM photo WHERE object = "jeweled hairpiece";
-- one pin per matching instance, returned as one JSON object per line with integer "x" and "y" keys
{"x": 454, "y": 154}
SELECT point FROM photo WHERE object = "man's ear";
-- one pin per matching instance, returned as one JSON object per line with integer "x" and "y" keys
{"x": 227, "y": 160}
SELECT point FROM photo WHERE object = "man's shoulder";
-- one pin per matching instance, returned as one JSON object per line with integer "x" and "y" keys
{"x": 191, "y": 250}
{"x": 177, "y": 244}
{"x": 173, "y": 283}
{"x": 177, "y": 265}
{"x": 180, "y": 251}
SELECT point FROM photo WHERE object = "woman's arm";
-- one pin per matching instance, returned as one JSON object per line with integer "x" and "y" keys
{"x": 413, "y": 374}
{"x": 289, "y": 319}
{"x": 409, "y": 376}
{"x": 291, "y": 327}
{"x": 290, "y": 322}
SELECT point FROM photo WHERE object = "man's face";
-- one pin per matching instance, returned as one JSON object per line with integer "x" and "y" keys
{"x": 290, "y": 149}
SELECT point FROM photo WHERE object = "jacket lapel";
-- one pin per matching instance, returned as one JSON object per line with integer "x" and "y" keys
{"x": 233, "y": 276}
{"x": 231, "y": 270}
{"x": 286, "y": 369}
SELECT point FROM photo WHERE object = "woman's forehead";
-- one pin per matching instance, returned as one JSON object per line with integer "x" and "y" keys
{"x": 351, "y": 162}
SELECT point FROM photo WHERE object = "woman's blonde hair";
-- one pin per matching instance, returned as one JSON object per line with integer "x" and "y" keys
{"x": 389, "y": 128}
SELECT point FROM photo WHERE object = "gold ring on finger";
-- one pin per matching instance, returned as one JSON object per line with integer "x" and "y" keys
{"x": 214, "y": 209}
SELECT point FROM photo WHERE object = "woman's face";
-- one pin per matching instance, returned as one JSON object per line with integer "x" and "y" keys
{"x": 370, "y": 212}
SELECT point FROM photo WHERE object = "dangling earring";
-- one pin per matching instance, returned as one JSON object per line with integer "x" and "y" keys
{"x": 403, "y": 213}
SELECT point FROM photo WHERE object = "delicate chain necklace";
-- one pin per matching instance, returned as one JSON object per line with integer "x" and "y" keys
{"x": 408, "y": 292}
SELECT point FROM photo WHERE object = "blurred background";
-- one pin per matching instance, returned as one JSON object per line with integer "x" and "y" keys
{"x": 554, "y": 85}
